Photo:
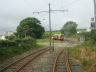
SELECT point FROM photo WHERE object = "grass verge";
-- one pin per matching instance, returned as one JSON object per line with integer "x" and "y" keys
{"x": 7, "y": 52}
{"x": 10, "y": 48}
{"x": 85, "y": 54}
{"x": 43, "y": 40}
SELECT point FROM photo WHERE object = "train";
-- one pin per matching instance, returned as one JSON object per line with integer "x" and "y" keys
{"x": 58, "y": 37}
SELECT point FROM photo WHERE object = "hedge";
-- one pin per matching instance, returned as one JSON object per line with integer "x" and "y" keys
{"x": 10, "y": 48}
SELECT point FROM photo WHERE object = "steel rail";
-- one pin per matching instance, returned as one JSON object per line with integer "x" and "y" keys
{"x": 4, "y": 69}
{"x": 55, "y": 62}
{"x": 31, "y": 60}
{"x": 68, "y": 63}
{"x": 66, "y": 60}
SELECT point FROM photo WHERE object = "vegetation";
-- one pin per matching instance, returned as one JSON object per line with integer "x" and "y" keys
{"x": 54, "y": 32}
{"x": 81, "y": 30}
{"x": 90, "y": 35}
{"x": 30, "y": 27}
{"x": 17, "y": 43}
{"x": 86, "y": 52}
{"x": 23, "y": 40}
{"x": 43, "y": 40}
{"x": 69, "y": 28}
{"x": 12, "y": 37}
{"x": 9, "y": 48}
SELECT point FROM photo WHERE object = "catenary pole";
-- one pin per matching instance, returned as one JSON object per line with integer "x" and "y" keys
{"x": 50, "y": 28}
{"x": 95, "y": 12}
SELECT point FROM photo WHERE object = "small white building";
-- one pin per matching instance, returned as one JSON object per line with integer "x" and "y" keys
{"x": 2, "y": 37}
{"x": 9, "y": 33}
{"x": 88, "y": 30}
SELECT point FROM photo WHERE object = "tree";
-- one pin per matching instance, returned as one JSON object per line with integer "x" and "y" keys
{"x": 69, "y": 28}
{"x": 30, "y": 27}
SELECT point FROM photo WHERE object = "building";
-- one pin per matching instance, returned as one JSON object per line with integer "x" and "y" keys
{"x": 2, "y": 37}
{"x": 88, "y": 30}
{"x": 9, "y": 33}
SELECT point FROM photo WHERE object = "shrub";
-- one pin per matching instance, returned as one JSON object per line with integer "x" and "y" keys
{"x": 86, "y": 62}
{"x": 90, "y": 35}
{"x": 6, "y": 43}
{"x": 29, "y": 40}
{"x": 10, "y": 48}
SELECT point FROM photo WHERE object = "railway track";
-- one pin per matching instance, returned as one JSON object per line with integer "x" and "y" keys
{"x": 20, "y": 64}
{"x": 61, "y": 63}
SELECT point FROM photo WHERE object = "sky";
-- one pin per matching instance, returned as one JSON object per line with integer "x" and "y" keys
{"x": 13, "y": 11}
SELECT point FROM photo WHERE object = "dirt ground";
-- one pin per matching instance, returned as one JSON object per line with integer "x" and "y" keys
{"x": 60, "y": 44}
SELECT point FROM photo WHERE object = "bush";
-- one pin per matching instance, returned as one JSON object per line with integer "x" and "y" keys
{"x": 86, "y": 62}
{"x": 93, "y": 34}
{"x": 6, "y": 43}
{"x": 29, "y": 40}
{"x": 9, "y": 48}
{"x": 90, "y": 35}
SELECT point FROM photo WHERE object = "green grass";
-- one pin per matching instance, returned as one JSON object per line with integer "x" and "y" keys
{"x": 10, "y": 48}
{"x": 43, "y": 40}
{"x": 7, "y": 52}
{"x": 81, "y": 30}
{"x": 88, "y": 48}
{"x": 75, "y": 51}
{"x": 54, "y": 32}
{"x": 39, "y": 46}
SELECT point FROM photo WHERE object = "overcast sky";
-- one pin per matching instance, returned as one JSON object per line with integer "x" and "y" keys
{"x": 13, "y": 11}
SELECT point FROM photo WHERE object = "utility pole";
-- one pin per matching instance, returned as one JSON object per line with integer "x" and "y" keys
{"x": 50, "y": 26}
{"x": 95, "y": 12}
{"x": 51, "y": 49}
